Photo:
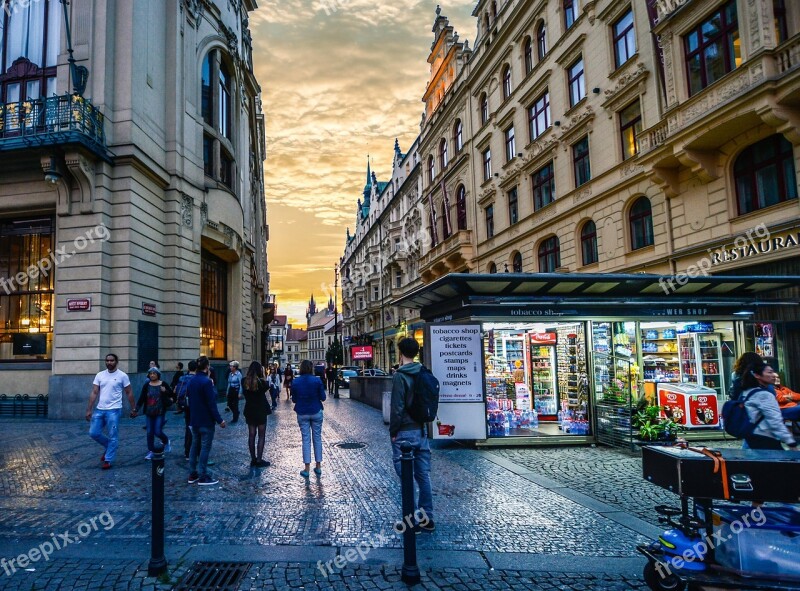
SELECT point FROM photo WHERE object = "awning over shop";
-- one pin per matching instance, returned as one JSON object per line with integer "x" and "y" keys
{"x": 560, "y": 294}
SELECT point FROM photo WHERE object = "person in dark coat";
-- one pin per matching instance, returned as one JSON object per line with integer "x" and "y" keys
{"x": 204, "y": 416}
{"x": 256, "y": 409}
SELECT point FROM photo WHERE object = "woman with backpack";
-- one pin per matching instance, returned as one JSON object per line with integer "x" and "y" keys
{"x": 256, "y": 409}
{"x": 763, "y": 410}
{"x": 155, "y": 398}
{"x": 308, "y": 394}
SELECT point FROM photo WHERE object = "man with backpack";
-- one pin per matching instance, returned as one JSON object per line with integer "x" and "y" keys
{"x": 415, "y": 394}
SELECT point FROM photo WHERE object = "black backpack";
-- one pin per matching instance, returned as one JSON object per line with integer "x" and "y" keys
{"x": 424, "y": 397}
{"x": 181, "y": 390}
{"x": 735, "y": 418}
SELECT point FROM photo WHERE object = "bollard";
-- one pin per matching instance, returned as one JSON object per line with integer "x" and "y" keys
{"x": 158, "y": 562}
{"x": 410, "y": 572}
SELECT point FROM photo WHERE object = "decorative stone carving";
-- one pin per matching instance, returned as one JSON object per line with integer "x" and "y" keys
{"x": 83, "y": 172}
{"x": 582, "y": 195}
{"x": 630, "y": 169}
{"x": 204, "y": 214}
{"x": 194, "y": 11}
{"x": 187, "y": 209}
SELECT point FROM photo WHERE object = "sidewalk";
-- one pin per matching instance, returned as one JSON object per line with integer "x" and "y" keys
{"x": 500, "y": 523}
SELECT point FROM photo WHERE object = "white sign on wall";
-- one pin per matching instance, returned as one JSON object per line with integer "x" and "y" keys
{"x": 457, "y": 361}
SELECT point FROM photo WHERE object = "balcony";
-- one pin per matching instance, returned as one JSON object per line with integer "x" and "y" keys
{"x": 52, "y": 121}
{"x": 449, "y": 256}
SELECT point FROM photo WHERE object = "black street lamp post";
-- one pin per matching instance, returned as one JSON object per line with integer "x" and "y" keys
{"x": 336, "y": 330}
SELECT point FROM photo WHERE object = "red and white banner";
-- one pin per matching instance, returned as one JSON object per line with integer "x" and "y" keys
{"x": 361, "y": 353}
{"x": 544, "y": 338}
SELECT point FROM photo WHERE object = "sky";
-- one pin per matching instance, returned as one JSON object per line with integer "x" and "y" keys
{"x": 340, "y": 79}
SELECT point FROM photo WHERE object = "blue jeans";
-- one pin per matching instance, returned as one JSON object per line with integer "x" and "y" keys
{"x": 202, "y": 437}
{"x": 791, "y": 413}
{"x": 106, "y": 419}
{"x": 311, "y": 425}
{"x": 418, "y": 439}
{"x": 155, "y": 428}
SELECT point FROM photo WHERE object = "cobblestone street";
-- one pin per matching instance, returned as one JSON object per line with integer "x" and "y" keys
{"x": 533, "y": 518}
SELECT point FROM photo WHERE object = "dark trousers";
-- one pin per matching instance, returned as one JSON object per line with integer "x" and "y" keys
{"x": 187, "y": 435}
{"x": 155, "y": 428}
{"x": 761, "y": 442}
{"x": 233, "y": 403}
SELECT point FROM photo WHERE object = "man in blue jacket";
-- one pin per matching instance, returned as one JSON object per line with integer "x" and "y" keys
{"x": 204, "y": 415}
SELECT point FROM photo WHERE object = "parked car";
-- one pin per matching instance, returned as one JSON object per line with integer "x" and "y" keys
{"x": 373, "y": 371}
{"x": 343, "y": 377}
{"x": 354, "y": 368}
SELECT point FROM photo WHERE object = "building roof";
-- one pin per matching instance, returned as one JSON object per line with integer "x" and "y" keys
{"x": 296, "y": 334}
{"x": 320, "y": 320}
{"x": 280, "y": 321}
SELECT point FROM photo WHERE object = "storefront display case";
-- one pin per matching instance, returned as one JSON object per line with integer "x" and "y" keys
{"x": 543, "y": 371}
{"x": 701, "y": 360}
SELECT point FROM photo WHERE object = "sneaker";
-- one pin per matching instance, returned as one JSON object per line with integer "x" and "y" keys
{"x": 105, "y": 466}
{"x": 149, "y": 456}
{"x": 262, "y": 464}
{"x": 318, "y": 471}
{"x": 429, "y": 526}
{"x": 304, "y": 473}
{"x": 168, "y": 446}
{"x": 193, "y": 477}
{"x": 207, "y": 480}
{"x": 253, "y": 463}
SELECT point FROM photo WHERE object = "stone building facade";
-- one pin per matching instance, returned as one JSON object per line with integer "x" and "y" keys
{"x": 145, "y": 184}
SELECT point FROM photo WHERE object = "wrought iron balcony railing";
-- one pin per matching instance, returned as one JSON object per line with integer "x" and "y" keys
{"x": 55, "y": 120}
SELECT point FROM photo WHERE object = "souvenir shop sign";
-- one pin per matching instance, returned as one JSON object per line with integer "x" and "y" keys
{"x": 456, "y": 354}
{"x": 361, "y": 353}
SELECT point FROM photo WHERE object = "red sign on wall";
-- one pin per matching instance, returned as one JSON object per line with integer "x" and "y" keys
{"x": 79, "y": 305}
{"x": 361, "y": 353}
{"x": 148, "y": 309}
{"x": 543, "y": 338}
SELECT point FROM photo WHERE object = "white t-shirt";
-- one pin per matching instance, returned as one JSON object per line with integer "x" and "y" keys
{"x": 111, "y": 387}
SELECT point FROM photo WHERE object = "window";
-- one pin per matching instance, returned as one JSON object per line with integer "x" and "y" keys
{"x": 461, "y": 207}
{"x": 541, "y": 41}
{"x": 516, "y": 263}
{"x": 224, "y": 101}
{"x": 445, "y": 221}
{"x": 513, "y": 207}
{"x": 589, "y": 243}
{"x": 431, "y": 170}
{"x": 484, "y": 108}
{"x": 641, "y": 221}
{"x": 398, "y": 279}
{"x": 208, "y": 155}
{"x": 506, "y": 82}
{"x": 713, "y": 48}
{"x": 213, "y": 306}
{"x": 376, "y": 294}
{"x": 544, "y": 186}
{"x": 487, "y": 164}
{"x": 781, "y": 25}
{"x": 511, "y": 144}
{"x": 397, "y": 244}
{"x": 32, "y": 31}
{"x": 765, "y": 174}
{"x": 549, "y": 255}
{"x": 216, "y": 108}
{"x": 539, "y": 116}
{"x": 207, "y": 92}
{"x": 630, "y": 127}
{"x": 580, "y": 161}
{"x": 570, "y": 12}
{"x": 577, "y": 85}
{"x": 490, "y": 221}
{"x": 458, "y": 136}
{"x": 527, "y": 55}
{"x": 443, "y": 154}
{"x": 26, "y": 299}
{"x": 492, "y": 268}
{"x": 624, "y": 39}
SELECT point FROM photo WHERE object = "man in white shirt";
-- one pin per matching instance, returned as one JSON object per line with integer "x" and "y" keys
{"x": 108, "y": 385}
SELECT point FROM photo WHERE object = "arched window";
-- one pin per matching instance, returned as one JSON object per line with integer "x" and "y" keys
{"x": 589, "y": 243}
{"x": 641, "y": 224}
{"x": 516, "y": 262}
{"x": 216, "y": 107}
{"x": 431, "y": 169}
{"x": 492, "y": 268}
{"x": 461, "y": 207}
{"x": 549, "y": 255}
{"x": 443, "y": 154}
{"x": 527, "y": 54}
{"x": 765, "y": 174}
{"x": 484, "y": 108}
{"x": 506, "y": 82}
{"x": 541, "y": 41}
{"x": 458, "y": 136}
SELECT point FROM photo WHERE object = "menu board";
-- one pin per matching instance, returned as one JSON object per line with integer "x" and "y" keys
{"x": 457, "y": 362}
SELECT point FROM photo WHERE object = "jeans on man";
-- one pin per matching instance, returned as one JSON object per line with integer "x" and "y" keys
{"x": 155, "y": 428}
{"x": 791, "y": 413}
{"x": 273, "y": 394}
{"x": 187, "y": 434}
{"x": 311, "y": 426}
{"x": 106, "y": 419}
{"x": 202, "y": 437}
{"x": 418, "y": 438}
{"x": 233, "y": 403}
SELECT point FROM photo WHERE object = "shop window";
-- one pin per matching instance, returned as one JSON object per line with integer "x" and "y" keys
{"x": 570, "y": 13}
{"x": 544, "y": 186}
{"x": 443, "y": 154}
{"x": 576, "y": 82}
{"x": 641, "y": 224}
{"x": 765, "y": 174}
{"x": 506, "y": 82}
{"x": 589, "y": 243}
{"x": 513, "y": 207}
{"x": 461, "y": 207}
{"x": 458, "y": 136}
{"x": 26, "y": 298}
{"x": 539, "y": 116}
{"x": 484, "y": 108}
{"x": 549, "y": 255}
{"x": 713, "y": 48}
{"x": 541, "y": 41}
{"x": 527, "y": 55}
{"x": 516, "y": 262}
{"x": 511, "y": 144}
{"x": 781, "y": 24}
{"x": 487, "y": 164}
{"x": 630, "y": 127}
{"x": 624, "y": 39}
{"x": 489, "y": 221}
{"x": 213, "y": 306}
{"x": 580, "y": 162}
{"x": 492, "y": 268}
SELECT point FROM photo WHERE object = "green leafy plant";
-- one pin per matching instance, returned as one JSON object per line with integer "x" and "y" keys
{"x": 653, "y": 427}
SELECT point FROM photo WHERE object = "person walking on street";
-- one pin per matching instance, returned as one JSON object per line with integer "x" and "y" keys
{"x": 308, "y": 394}
{"x": 274, "y": 382}
{"x": 204, "y": 415}
{"x": 403, "y": 428}
{"x": 234, "y": 390}
{"x": 288, "y": 377}
{"x": 107, "y": 389}
{"x": 256, "y": 409}
{"x": 763, "y": 410}
{"x": 155, "y": 398}
{"x": 330, "y": 377}
{"x": 187, "y": 413}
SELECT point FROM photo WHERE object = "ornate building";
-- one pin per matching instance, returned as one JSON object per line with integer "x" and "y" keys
{"x": 132, "y": 211}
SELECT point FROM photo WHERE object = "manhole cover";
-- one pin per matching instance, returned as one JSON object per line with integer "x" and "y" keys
{"x": 213, "y": 576}
{"x": 350, "y": 445}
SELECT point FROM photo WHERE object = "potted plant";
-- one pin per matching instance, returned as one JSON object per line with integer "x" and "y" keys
{"x": 653, "y": 427}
